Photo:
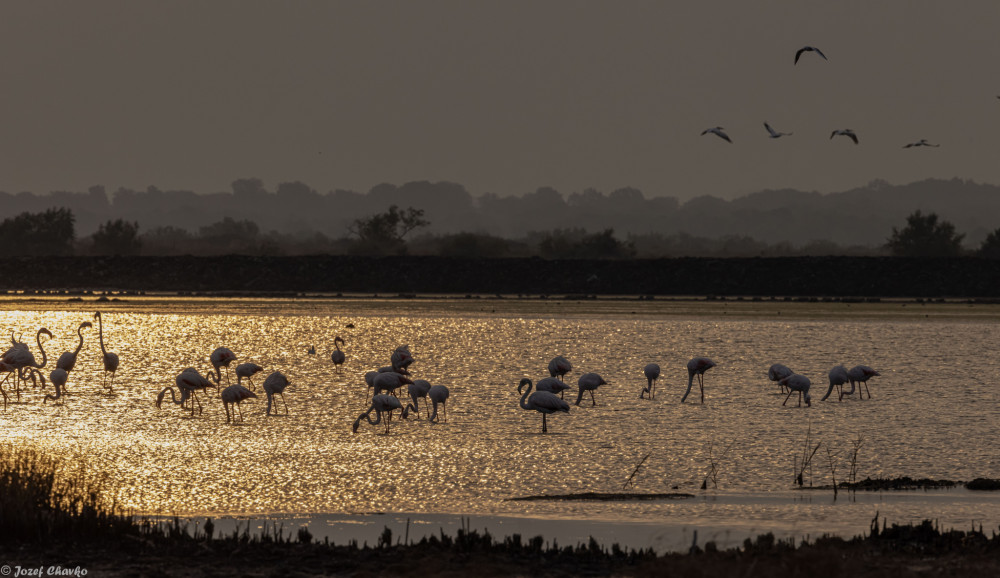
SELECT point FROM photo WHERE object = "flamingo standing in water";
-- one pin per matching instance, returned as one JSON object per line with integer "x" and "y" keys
{"x": 9, "y": 370}
{"x": 188, "y": 381}
{"x": 439, "y": 395}
{"x": 551, "y": 385}
{"x": 652, "y": 373}
{"x": 20, "y": 358}
{"x": 109, "y": 358}
{"x": 800, "y": 383}
{"x": 559, "y": 367}
{"x": 221, "y": 357}
{"x": 417, "y": 390}
{"x": 777, "y": 372}
{"x": 400, "y": 359}
{"x": 860, "y": 374}
{"x": 381, "y": 403}
{"x": 67, "y": 360}
{"x": 698, "y": 366}
{"x": 589, "y": 382}
{"x": 275, "y": 384}
{"x": 58, "y": 378}
{"x": 337, "y": 357}
{"x": 838, "y": 377}
{"x": 541, "y": 401}
{"x": 370, "y": 381}
{"x": 389, "y": 381}
{"x": 247, "y": 370}
{"x": 232, "y": 396}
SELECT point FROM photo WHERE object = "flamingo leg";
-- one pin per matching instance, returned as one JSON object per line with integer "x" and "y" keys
{"x": 866, "y": 389}
{"x": 544, "y": 428}
{"x": 786, "y": 398}
{"x": 701, "y": 384}
{"x": 592, "y": 401}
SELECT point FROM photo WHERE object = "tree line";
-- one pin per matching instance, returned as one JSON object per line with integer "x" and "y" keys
{"x": 391, "y": 232}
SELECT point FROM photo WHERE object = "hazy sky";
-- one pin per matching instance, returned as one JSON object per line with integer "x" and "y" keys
{"x": 500, "y": 96}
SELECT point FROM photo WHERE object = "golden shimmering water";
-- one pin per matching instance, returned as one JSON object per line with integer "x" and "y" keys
{"x": 935, "y": 410}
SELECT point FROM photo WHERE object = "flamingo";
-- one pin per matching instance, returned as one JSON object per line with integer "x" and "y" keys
{"x": 20, "y": 358}
{"x": 247, "y": 370}
{"x": 275, "y": 384}
{"x": 110, "y": 359}
{"x": 68, "y": 359}
{"x": 800, "y": 383}
{"x": 417, "y": 389}
{"x": 188, "y": 382}
{"x": 389, "y": 381}
{"x": 698, "y": 366}
{"x": 9, "y": 370}
{"x": 439, "y": 395}
{"x": 58, "y": 378}
{"x": 221, "y": 357}
{"x": 551, "y": 385}
{"x": 337, "y": 357}
{"x": 559, "y": 367}
{"x": 775, "y": 134}
{"x": 777, "y": 372}
{"x": 807, "y": 49}
{"x": 838, "y": 377}
{"x": 652, "y": 373}
{"x": 719, "y": 132}
{"x": 401, "y": 357}
{"x": 233, "y": 395}
{"x": 861, "y": 374}
{"x": 845, "y": 132}
{"x": 370, "y": 380}
{"x": 311, "y": 350}
{"x": 920, "y": 143}
{"x": 589, "y": 382}
{"x": 380, "y": 403}
{"x": 540, "y": 401}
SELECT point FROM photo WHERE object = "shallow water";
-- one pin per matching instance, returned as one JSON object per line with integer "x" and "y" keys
{"x": 933, "y": 412}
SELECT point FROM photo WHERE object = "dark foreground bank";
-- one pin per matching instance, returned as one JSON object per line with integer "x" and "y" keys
{"x": 792, "y": 276}
{"x": 910, "y": 550}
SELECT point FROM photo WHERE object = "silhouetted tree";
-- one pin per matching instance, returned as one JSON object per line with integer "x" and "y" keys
{"x": 924, "y": 236}
{"x": 383, "y": 234}
{"x": 473, "y": 245}
{"x": 118, "y": 237}
{"x": 577, "y": 244}
{"x": 47, "y": 233}
{"x": 166, "y": 241}
{"x": 990, "y": 248}
{"x": 231, "y": 236}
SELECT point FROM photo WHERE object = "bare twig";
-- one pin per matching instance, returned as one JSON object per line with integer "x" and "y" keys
{"x": 855, "y": 447}
{"x": 833, "y": 470}
{"x": 629, "y": 483}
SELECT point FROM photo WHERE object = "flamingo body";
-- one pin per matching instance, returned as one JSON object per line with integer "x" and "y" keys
{"x": 698, "y": 366}
{"x": 541, "y": 401}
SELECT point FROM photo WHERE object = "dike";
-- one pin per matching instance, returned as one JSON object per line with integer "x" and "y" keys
{"x": 856, "y": 277}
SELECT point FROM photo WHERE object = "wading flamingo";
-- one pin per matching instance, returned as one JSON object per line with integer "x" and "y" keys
{"x": 109, "y": 358}
{"x": 232, "y": 396}
{"x": 541, "y": 401}
{"x": 58, "y": 378}
{"x": 221, "y": 357}
{"x": 838, "y": 377}
{"x": 337, "y": 357}
{"x": 439, "y": 395}
{"x": 552, "y": 385}
{"x": 389, "y": 382}
{"x": 652, "y": 373}
{"x": 188, "y": 381}
{"x": 698, "y": 366}
{"x": 20, "y": 358}
{"x": 777, "y": 372}
{"x": 417, "y": 390}
{"x": 247, "y": 370}
{"x": 68, "y": 359}
{"x": 559, "y": 367}
{"x": 275, "y": 384}
{"x": 861, "y": 374}
{"x": 800, "y": 383}
{"x": 381, "y": 403}
{"x": 589, "y": 382}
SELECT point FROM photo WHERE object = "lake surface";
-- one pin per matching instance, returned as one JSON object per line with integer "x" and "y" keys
{"x": 934, "y": 412}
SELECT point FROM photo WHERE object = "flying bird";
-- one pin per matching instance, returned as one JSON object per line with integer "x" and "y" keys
{"x": 920, "y": 143}
{"x": 845, "y": 132}
{"x": 698, "y": 366}
{"x": 774, "y": 133}
{"x": 799, "y": 52}
{"x": 541, "y": 401}
{"x": 717, "y": 131}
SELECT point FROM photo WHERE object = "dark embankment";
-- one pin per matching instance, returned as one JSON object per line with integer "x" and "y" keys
{"x": 793, "y": 276}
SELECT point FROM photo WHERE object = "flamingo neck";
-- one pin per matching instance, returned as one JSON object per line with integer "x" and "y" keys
{"x": 524, "y": 397}
{"x": 100, "y": 333}
{"x": 38, "y": 338}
